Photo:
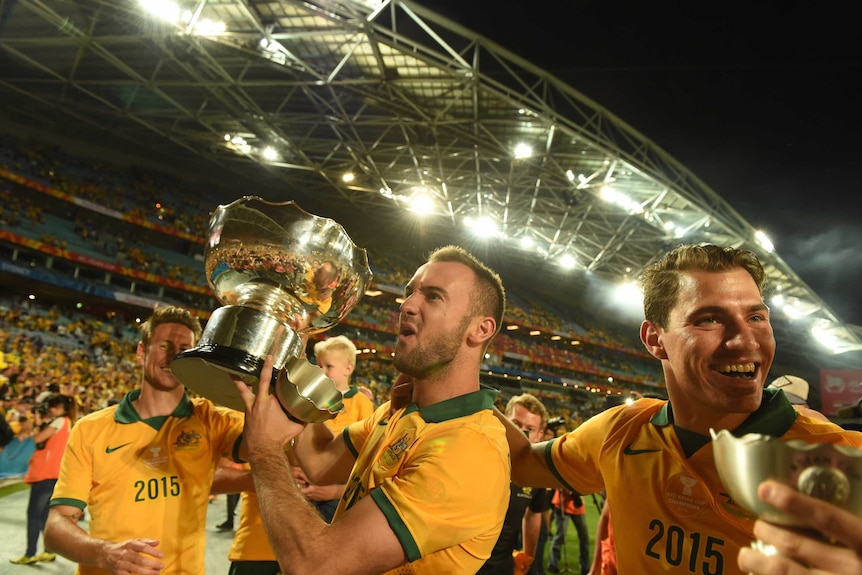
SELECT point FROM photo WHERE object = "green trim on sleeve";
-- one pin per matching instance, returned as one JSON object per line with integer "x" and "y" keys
{"x": 236, "y": 449}
{"x": 549, "y": 461}
{"x": 352, "y": 448}
{"x": 70, "y": 502}
{"x": 397, "y": 525}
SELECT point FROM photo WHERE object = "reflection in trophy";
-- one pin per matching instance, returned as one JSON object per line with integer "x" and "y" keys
{"x": 282, "y": 273}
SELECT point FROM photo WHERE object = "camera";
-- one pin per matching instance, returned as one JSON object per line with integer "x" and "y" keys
{"x": 41, "y": 408}
{"x": 555, "y": 422}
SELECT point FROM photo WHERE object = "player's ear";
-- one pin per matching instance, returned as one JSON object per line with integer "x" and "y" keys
{"x": 140, "y": 354}
{"x": 651, "y": 338}
{"x": 481, "y": 330}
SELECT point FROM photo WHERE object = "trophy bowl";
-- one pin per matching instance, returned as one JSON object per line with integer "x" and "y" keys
{"x": 282, "y": 274}
{"x": 823, "y": 470}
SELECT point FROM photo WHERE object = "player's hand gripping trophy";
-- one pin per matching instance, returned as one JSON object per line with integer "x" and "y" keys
{"x": 829, "y": 472}
{"x": 281, "y": 274}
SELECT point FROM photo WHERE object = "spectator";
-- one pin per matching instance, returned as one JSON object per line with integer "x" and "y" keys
{"x": 796, "y": 390}
{"x": 15, "y": 457}
{"x": 54, "y": 417}
{"x": 527, "y": 506}
{"x": 565, "y": 506}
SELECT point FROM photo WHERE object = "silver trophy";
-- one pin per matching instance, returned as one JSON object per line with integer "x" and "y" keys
{"x": 822, "y": 470}
{"x": 281, "y": 274}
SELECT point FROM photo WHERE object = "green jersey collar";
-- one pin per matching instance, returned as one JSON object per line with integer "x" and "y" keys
{"x": 351, "y": 391}
{"x": 457, "y": 406}
{"x": 126, "y": 412}
{"x": 774, "y": 417}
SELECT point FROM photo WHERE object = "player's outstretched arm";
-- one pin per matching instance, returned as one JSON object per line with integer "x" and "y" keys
{"x": 64, "y": 536}
{"x": 528, "y": 462}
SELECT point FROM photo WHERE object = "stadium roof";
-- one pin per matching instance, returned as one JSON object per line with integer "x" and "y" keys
{"x": 357, "y": 108}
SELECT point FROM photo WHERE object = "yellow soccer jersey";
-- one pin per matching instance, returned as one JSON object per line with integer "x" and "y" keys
{"x": 670, "y": 511}
{"x": 250, "y": 542}
{"x": 356, "y": 408}
{"x": 148, "y": 478}
{"x": 440, "y": 474}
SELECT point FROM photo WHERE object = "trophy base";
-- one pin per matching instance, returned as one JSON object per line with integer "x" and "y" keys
{"x": 209, "y": 371}
{"x": 305, "y": 393}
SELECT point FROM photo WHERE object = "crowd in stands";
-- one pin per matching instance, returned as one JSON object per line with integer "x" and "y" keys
{"x": 48, "y": 197}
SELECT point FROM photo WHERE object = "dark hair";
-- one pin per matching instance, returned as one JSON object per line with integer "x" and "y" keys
{"x": 70, "y": 406}
{"x": 661, "y": 280}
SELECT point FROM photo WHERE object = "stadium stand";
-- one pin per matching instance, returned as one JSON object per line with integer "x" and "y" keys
{"x": 110, "y": 242}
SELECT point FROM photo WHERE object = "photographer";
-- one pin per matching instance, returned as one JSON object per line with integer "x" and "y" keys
{"x": 54, "y": 417}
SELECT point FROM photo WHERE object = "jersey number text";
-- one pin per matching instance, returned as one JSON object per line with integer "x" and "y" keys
{"x": 157, "y": 487}
{"x": 669, "y": 544}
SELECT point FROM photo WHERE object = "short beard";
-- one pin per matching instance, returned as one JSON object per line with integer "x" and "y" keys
{"x": 424, "y": 362}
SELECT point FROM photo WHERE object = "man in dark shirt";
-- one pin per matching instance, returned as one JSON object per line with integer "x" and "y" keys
{"x": 516, "y": 546}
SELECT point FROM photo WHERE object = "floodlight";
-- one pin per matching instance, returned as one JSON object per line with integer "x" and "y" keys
{"x": 523, "y": 151}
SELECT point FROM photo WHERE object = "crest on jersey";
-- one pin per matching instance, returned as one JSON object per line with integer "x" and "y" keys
{"x": 187, "y": 440}
{"x": 395, "y": 450}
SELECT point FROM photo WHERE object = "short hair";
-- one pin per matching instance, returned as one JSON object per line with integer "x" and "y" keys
{"x": 170, "y": 314}
{"x": 491, "y": 296}
{"x": 532, "y": 404}
{"x": 661, "y": 280}
{"x": 336, "y": 343}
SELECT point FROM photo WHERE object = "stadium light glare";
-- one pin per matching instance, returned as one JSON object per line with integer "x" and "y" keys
{"x": 614, "y": 196}
{"x": 628, "y": 294}
{"x": 523, "y": 151}
{"x": 482, "y": 227}
{"x": 421, "y": 204}
{"x": 162, "y": 9}
{"x": 568, "y": 261}
{"x": 764, "y": 241}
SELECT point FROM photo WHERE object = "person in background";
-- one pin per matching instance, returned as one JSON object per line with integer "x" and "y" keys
{"x": 428, "y": 474}
{"x": 604, "y": 553}
{"x": 707, "y": 323}
{"x": 232, "y": 498}
{"x": 515, "y": 549}
{"x": 796, "y": 389}
{"x": 143, "y": 467}
{"x": 567, "y": 505}
{"x": 55, "y": 416}
{"x": 538, "y": 565}
{"x": 336, "y": 356}
{"x": 15, "y": 457}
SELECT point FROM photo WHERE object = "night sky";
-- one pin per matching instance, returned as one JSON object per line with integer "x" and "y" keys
{"x": 758, "y": 100}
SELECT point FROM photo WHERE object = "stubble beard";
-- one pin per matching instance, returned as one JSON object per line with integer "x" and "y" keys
{"x": 434, "y": 355}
